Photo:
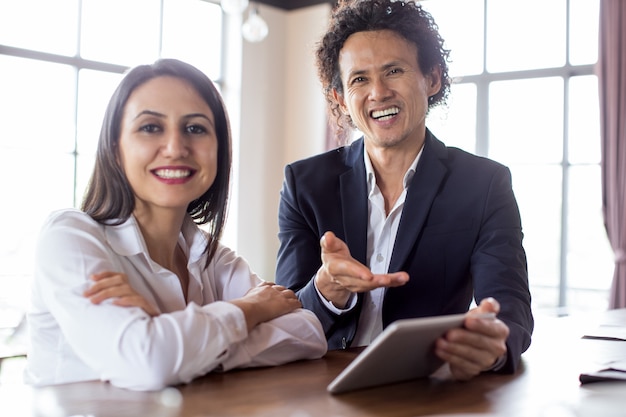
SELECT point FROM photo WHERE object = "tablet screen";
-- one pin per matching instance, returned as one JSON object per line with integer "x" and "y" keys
{"x": 403, "y": 351}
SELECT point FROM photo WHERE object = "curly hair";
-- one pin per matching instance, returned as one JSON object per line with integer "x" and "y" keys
{"x": 406, "y": 18}
{"x": 109, "y": 198}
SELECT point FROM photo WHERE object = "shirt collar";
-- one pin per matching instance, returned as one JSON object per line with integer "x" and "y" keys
{"x": 371, "y": 177}
{"x": 126, "y": 239}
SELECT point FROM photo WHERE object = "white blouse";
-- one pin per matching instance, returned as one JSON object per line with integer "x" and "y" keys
{"x": 75, "y": 340}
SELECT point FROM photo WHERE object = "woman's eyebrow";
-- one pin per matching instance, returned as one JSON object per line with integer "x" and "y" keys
{"x": 161, "y": 115}
{"x": 204, "y": 116}
{"x": 148, "y": 112}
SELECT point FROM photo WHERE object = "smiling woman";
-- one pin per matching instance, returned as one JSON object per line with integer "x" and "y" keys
{"x": 168, "y": 146}
{"x": 130, "y": 289}
{"x": 61, "y": 61}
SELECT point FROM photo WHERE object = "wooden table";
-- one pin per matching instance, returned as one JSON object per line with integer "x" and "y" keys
{"x": 546, "y": 385}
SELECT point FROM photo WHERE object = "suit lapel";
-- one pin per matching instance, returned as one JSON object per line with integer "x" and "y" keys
{"x": 353, "y": 191}
{"x": 420, "y": 195}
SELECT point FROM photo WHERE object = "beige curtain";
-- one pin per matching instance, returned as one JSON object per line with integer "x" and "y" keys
{"x": 612, "y": 86}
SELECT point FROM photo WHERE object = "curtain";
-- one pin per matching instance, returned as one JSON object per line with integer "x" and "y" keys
{"x": 612, "y": 87}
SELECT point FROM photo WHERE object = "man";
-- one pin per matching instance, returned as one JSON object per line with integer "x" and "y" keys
{"x": 397, "y": 225}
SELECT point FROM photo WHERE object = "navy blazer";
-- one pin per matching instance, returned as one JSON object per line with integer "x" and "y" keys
{"x": 459, "y": 237}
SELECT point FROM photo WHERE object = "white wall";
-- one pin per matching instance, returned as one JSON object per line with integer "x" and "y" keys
{"x": 282, "y": 119}
{"x": 305, "y": 106}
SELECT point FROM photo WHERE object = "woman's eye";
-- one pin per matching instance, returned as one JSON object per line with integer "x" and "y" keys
{"x": 149, "y": 128}
{"x": 195, "y": 129}
{"x": 396, "y": 71}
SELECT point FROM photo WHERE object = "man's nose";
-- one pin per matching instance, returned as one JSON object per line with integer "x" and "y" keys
{"x": 380, "y": 89}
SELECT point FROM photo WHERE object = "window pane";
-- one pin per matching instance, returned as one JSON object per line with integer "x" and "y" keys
{"x": 526, "y": 121}
{"x": 581, "y": 300}
{"x": 192, "y": 32}
{"x": 37, "y": 105}
{"x": 120, "y": 31}
{"x": 584, "y": 23}
{"x": 584, "y": 120}
{"x": 455, "y": 125}
{"x": 540, "y": 209}
{"x": 50, "y": 187}
{"x": 466, "y": 45}
{"x": 544, "y": 298}
{"x": 41, "y": 25}
{"x": 94, "y": 91}
{"x": 589, "y": 256}
{"x": 525, "y": 35}
{"x": 84, "y": 168}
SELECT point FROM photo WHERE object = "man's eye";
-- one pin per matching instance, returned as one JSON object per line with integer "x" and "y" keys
{"x": 358, "y": 80}
{"x": 396, "y": 71}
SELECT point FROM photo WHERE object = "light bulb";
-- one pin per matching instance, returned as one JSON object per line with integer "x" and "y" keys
{"x": 254, "y": 29}
{"x": 234, "y": 6}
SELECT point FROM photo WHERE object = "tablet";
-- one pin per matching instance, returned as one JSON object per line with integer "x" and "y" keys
{"x": 403, "y": 351}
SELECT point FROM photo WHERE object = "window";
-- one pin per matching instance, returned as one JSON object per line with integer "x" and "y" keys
{"x": 60, "y": 62}
{"x": 525, "y": 94}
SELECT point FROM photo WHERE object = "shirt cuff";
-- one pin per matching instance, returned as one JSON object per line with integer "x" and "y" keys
{"x": 235, "y": 327}
{"x": 349, "y": 305}
{"x": 498, "y": 364}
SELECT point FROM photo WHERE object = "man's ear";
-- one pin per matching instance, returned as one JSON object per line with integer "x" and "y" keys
{"x": 434, "y": 78}
{"x": 339, "y": 99}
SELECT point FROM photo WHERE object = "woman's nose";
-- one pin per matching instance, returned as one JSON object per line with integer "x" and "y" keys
{"x": 176, "y": 145}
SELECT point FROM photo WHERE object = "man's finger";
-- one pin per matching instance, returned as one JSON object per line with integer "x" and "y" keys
{"x": 330, "y": 243}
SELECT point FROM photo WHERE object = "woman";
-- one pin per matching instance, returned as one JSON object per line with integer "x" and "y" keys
{"x": 129, "y": 289}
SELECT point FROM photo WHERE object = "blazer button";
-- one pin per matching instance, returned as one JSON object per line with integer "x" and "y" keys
{"x": 344, "y": 343}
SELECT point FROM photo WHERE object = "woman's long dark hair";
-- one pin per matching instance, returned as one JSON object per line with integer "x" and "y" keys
{"x": 109, "y": 198}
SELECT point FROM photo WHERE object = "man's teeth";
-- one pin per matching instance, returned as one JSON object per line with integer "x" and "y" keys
{"x": 385, "y": 114}
{"x": 173, "y": 173}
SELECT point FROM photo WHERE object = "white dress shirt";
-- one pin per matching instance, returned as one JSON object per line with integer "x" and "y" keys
{"x": 75, "y": 340}
{"x": 381, "y": 235}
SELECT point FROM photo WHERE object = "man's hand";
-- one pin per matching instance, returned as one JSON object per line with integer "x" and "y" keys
{"x": 341, "y": 275}
{"x": 477, "y": 346}
{"x": 115, "y": 285}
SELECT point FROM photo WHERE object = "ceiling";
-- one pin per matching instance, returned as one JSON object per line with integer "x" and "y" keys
{"x": 293, "y": 4}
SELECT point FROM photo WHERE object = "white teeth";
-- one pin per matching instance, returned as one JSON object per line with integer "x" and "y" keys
{"x": 385, "y": 114}
{"x": 172, "y": 173}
